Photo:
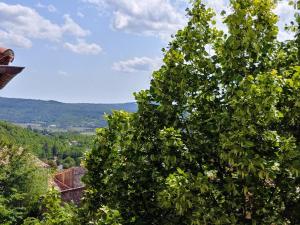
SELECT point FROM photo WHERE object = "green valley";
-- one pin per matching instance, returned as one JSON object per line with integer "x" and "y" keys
{"x": 64, "y": 148}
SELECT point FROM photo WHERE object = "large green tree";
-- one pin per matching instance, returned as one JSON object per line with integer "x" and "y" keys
{"x": 216, "y": 137}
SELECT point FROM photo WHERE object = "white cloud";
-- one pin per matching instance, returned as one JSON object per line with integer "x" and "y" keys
{"x": 100, "y": 4}
{"x": 50, "y": 8}
{"x": 138, "y": 64}
{"x": 148, "y": 17}
{"x": 84, "y": 48}
{"x": 164, "y": 17}
{"x": 80, "y": 14}
{"x": 8, "y": 39}
{"x": 20, "y": 25}
{"x": 63, "y": 73}
{"x": 70, "y": 27}
{"x": 26, "y": 22}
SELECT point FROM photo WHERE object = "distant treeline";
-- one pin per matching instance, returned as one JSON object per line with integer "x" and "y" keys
{"x": 62, "y": 115}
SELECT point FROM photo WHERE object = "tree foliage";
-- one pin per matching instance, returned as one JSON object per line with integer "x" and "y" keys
{"x": 46, "y": 145}
{"x": 22, "y": 183}
{"x": 54, "y": 212}
{"x": 216, "y": 137}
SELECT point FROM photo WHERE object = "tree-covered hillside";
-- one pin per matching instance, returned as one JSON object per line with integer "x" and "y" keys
{"x": 57, "y": 114}
{"x": 68, "y": 148}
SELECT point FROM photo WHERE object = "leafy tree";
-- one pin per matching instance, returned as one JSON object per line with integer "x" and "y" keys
{"x": 54, "y": 212}
{"x": 22, "y": 183}
{"x": 103, "y": 216}
{"x": 68, "y": 162}
{"x": 216, "y": 137}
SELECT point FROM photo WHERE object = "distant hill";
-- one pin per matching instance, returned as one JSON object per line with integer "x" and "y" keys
{"x": 58, "y": 116}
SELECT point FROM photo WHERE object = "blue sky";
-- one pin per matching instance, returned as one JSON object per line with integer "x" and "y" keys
{"x": 98, "y": 51}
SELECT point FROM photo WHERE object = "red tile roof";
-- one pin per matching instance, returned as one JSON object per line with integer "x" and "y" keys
{"x": 7, "y": 72}
{"x": 6, "y": 56}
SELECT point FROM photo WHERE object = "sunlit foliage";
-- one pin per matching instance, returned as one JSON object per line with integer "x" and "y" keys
{"x": 216, "y": 137}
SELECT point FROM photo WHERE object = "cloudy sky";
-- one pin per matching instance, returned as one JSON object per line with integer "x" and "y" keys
{"x": 98, "y": 51}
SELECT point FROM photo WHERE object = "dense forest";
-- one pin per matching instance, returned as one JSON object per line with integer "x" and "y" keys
{"x": 62, "y": 116}
{"x": 215, "y": 139}
{"x": 54, "y": 148}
